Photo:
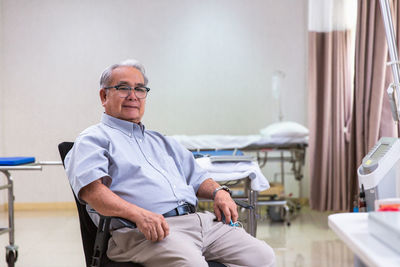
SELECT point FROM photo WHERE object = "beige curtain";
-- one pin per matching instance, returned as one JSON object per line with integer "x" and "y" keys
{"x": 330, "y": 95}
{"x": 330, "y": 101}
{"x": 371, "y": 117}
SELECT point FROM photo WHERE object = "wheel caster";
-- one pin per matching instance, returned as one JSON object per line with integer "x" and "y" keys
{"x": 11, "y": 255}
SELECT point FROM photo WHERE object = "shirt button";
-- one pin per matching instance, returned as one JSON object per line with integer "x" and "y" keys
{"x": 174, "y": 186}
{"x": 140, "y": 140}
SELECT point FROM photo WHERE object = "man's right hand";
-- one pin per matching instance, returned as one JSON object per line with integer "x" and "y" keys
{"x": 103, "y": 200}
{"x": 152, "y": 225}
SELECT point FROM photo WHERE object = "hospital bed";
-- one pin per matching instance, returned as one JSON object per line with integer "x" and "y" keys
{"x": 267, "y": 148}
{"x": 261, "y": 145}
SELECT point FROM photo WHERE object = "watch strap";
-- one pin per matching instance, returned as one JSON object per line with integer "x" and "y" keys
{"x": 222, "y": 187}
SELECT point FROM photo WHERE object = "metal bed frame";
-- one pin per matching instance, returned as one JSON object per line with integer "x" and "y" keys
{"x": 250, "y": 196}
{"x": 11, "y": 248}
{"x": 296, "y": 158}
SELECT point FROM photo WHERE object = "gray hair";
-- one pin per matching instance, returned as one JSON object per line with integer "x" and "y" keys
{"x": 106, "y": 75}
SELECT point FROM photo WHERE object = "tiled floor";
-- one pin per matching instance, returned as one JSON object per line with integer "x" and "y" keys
{"x": 52, "y": 239}
{"x": 308, "y": 241}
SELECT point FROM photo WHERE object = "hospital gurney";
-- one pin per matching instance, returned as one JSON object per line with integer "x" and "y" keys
{"x": 12, "y": 249}
{"x": 291, "y": 149}
{"x": 261, "y": 145}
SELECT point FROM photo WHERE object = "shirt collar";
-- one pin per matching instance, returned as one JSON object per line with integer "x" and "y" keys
{"x": 127, "y": 127}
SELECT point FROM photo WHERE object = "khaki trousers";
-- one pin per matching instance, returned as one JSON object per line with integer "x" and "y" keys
{"x": 193, "y": 240}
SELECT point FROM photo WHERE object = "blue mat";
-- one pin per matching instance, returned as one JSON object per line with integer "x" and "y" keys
{"x": 11, "y": 161}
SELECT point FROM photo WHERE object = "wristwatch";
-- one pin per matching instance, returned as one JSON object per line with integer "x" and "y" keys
{"x": 222, "y": 187}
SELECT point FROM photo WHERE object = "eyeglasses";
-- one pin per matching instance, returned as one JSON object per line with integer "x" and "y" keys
{"x": 124, "y": 91}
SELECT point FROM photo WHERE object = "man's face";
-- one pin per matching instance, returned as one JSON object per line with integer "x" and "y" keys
{"x": 128, "y": 108}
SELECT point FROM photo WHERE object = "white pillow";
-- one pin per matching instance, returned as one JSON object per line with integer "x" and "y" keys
{"x": 285, "y": 129}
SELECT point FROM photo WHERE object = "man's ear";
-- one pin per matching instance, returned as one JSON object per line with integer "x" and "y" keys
{"x": 103, "y": 96}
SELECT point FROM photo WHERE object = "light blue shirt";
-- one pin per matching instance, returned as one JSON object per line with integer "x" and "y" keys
{"x": 144, "y": 167}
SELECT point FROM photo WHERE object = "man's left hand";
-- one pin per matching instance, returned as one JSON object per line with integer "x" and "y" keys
{"x": 223, "y": 203}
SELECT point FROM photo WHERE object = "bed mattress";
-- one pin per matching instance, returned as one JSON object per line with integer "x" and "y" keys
{"x": 193, "y": 142}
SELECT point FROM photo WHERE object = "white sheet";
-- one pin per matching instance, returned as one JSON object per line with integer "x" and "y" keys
{"x": 234, "y": 141}
{"x": 228, "y": 171}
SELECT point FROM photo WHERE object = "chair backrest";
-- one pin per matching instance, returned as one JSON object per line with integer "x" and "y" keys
{"x": 88, "y": 228}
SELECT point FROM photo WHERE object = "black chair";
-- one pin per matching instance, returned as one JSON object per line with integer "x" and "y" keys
{"x": 95, "y": 240}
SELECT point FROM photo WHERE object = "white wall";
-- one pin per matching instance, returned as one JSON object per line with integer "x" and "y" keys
{"x": 209, "y": 64}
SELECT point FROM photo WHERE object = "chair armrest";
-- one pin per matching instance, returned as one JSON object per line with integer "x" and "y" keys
{"x": 121, "y": 222}
{"x": 117, "y": 221}
{"x": 103, "y": 234}
{"x": 244, "y": 204}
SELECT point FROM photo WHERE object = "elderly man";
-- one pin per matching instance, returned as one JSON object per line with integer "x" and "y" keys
{"x": 121, "y": 169}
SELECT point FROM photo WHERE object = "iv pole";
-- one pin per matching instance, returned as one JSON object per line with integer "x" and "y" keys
{"x": 277, "y": 78}
{"x": 393, "y": 89}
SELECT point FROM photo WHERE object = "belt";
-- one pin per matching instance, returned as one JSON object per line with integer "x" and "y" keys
{"x": 181, "y": 210}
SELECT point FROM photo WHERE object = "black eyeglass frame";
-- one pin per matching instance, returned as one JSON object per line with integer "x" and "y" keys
{"x": 147, "y": 89}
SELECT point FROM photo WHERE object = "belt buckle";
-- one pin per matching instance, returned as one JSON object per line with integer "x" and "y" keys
{"x": 186, "y": 208}
{"x": 192, "y": 209}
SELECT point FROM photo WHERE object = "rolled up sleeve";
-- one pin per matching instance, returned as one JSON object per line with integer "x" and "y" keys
{"x": 86, "y": 162}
